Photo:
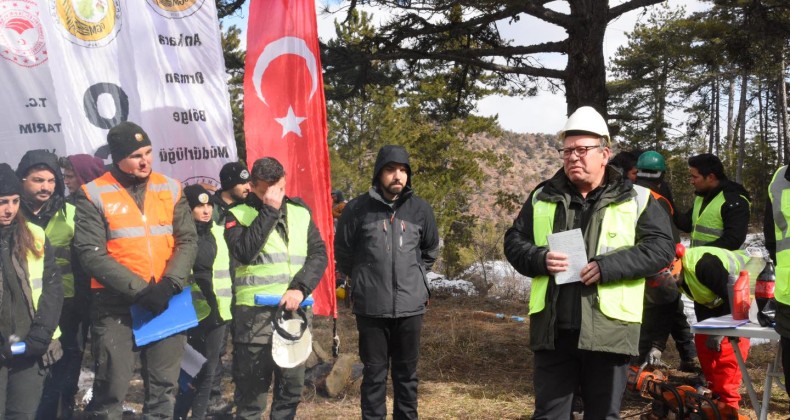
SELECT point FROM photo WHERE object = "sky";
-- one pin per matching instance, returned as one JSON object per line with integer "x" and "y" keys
{"x": 544, "y": 113}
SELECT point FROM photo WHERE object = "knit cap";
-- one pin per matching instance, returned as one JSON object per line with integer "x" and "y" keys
{"x": 196, "y": 195}
{"x": 9, "y": 183}
{"x": 232, "y": 174}
{"x": 124, "y": 139}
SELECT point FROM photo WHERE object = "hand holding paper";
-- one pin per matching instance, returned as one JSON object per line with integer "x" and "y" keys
{"x": 556, "y": 262}
{"x": 570, "y": 245}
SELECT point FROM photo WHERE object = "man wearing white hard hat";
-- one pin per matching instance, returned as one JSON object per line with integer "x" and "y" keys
{"x": 583, "y": 332}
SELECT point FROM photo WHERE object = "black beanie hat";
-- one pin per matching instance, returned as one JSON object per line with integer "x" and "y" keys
{"x": 232, "y": 174}
{"x": 196, "y": 195}
{"x": 124, "y": 139}
{"x": 9, "y": 183}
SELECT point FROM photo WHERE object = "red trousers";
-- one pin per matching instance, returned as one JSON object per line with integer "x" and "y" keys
{"x": 721, "y": 367}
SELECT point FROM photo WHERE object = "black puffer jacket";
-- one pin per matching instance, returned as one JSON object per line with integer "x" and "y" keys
{"x": 387, "y": 248}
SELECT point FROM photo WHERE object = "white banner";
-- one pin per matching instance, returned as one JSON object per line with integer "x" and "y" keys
{"x": 156, "y": 63}
{"x": 186, "y": 100}
{"x": 30, "y": 117}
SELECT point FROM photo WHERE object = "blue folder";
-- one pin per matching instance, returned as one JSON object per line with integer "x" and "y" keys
{"x": 179, "y": 316}
{"x": 274, "y": 300}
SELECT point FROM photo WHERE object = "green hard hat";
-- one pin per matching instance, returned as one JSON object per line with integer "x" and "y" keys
{"x": 651, "y": 160}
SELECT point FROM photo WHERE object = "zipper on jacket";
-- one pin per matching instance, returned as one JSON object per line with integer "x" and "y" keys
{"x": 402, "y": 232}
{"x": 392, "y": 257}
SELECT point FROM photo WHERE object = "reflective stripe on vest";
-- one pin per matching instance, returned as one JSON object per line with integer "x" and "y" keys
{"x": 221, "y": 281}
{"x": 142, "y": 242}
{"x": 277, "y": 263}
{"x": 620, "y": 300}
{"x": 35, "y": 269}
{"x": 779, "y": 193}
{"x": 60, "y": 231}
{"x": 696, "y": 291}
{"x": 707, "y": 224}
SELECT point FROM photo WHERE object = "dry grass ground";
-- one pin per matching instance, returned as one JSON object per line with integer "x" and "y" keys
{"x": 476, "y": 367}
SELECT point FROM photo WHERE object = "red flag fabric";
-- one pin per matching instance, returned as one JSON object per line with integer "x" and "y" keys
{"x": 285, "y": 113}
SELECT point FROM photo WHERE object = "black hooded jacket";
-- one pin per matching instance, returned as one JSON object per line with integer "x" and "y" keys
{"x": 734, "y": 214}
{"x": 387, "y": 247}
{"x": 57, "y": 201}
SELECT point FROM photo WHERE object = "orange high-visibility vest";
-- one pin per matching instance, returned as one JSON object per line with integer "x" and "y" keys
{"x": 141, "y": 242}
{"x": 659, "y": 197}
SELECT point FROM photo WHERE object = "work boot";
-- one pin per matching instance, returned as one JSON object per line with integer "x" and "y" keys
{"x": 690, "y": 366}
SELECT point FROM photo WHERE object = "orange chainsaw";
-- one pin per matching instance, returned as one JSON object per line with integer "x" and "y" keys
{"x": 676, "y": 403}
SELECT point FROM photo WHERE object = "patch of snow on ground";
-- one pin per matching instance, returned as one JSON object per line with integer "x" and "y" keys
{"x": 437, "y": 282}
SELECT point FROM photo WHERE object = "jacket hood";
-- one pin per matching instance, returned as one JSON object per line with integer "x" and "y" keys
{"x": 387, "y": 154}
{"x": 86, "y": 167}
{"x": 42, "y": 157}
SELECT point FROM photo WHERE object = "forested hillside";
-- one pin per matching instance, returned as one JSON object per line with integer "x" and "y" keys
{"x": 532, "y": 158}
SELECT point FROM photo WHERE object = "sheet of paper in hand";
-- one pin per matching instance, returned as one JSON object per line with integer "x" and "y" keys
{"x": 570, "y": 243}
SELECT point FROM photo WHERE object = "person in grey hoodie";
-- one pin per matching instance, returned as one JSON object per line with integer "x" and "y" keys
{"x": 387, "y": 241}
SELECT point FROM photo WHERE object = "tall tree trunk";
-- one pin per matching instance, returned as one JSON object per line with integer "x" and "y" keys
{"x": 660, "y": 122}
{"x": 585, "y": 74}
{"x": 731, "y": 113}
{"x": 761, "y": 119}
{"x": 742, "y": 123}
{"x": 713, "y": 116}
{"x": 780, "y": 149}
{"x": 716, "y": 119}
{"x": 773, "y": 114}
{"x": 782, "y": 97}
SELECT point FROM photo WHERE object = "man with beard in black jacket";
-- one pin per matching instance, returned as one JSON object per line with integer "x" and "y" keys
{"x": 387, "y": 241}
{"x": 720, "y": 215}
{"x": 44, "y": 204}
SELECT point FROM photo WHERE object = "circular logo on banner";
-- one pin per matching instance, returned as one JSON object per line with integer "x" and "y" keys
{"x": 207, "y": 182}
{"x": 175, "y": 9}
{"x": 21, "y": 33}
{"x": 88, "y": 23}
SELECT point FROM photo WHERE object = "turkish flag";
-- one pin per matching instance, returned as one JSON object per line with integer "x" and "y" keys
{"x": 285, "y": 113}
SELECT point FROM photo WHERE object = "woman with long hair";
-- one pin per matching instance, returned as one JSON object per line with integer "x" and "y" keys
{"x": 31, "y": 298}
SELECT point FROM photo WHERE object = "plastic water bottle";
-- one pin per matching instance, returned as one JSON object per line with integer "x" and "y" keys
{"x": 765, "y": 285}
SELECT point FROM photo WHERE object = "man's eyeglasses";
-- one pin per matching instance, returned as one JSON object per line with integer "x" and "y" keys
{"x": 579, "y": 151}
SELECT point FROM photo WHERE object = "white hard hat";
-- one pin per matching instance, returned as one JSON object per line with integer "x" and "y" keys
{"x": 292, "y": 341}
{"x": 587, "y": 119}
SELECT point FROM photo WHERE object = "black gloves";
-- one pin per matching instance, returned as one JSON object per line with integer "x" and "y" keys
{"x": 212, "y": 320}
{"x": 37, "y": 342}
{"x": 156, "y": 296}
{"x": 5, "y": 353}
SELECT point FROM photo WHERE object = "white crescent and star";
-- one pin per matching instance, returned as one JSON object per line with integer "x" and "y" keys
{"x": 291, "y": 122}
{"x": 275, "y": 49}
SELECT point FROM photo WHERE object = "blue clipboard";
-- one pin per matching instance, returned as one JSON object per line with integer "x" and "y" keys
{"x": 179, "y": 316}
